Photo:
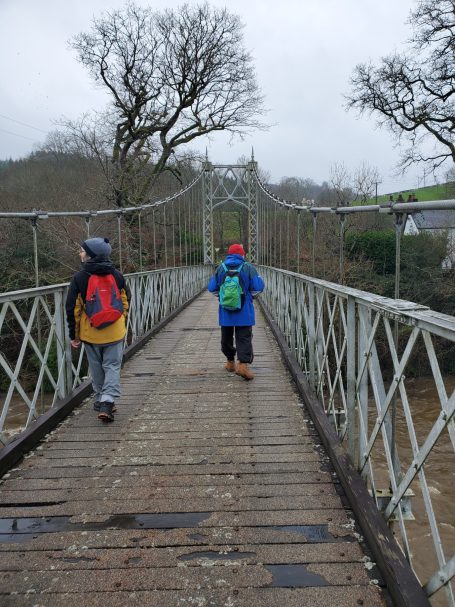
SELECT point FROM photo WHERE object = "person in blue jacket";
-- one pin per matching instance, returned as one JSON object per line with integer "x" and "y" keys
{"x": 239, "y": 322}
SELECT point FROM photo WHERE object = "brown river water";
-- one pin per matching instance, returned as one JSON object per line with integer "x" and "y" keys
{"x": 440, "y": 476}
{"x": 439, "y": 470}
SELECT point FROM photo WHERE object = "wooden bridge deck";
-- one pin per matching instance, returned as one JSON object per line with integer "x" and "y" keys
{"x": 207, "y": 490}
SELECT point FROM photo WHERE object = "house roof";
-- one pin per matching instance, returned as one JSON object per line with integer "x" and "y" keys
{"x": 433, "y": 220}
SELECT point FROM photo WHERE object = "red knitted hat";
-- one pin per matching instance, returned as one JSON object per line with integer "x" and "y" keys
{"x": 236, "y": 249}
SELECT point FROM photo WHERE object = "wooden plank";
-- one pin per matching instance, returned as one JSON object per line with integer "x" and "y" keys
{"x": 206, "y": 489}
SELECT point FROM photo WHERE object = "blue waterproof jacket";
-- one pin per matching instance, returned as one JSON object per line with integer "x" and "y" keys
{"x": 251, "y": 283}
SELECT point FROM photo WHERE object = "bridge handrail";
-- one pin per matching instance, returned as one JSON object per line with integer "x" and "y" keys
{"x": 355, "y": 349}
{"x": 37, "y": 366}
{"x": 46, "y": 289}
{"x": 402, "y": 310}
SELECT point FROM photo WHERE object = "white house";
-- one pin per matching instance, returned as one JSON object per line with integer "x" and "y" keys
{"x": 435, "y": 221}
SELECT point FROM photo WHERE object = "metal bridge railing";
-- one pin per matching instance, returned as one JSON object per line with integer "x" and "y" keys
{"x": 356, "y": 349}
{"x": 37, "y": 367}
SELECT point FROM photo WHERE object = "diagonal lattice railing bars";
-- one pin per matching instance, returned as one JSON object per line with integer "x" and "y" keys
{"x": 344, "y": 341}
{"x": 37, "y": 366}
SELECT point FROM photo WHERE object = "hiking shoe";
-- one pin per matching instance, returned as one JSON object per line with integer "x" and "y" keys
{"x": 97, "y": 406}
{"x": 106, "y": 411}
{"x": 230, "y": 365}
{"x": 244, "y": 371}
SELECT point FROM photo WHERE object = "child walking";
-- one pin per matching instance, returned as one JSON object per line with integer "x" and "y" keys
{"x": 96, "y": 309}
{"x": 236, "y": 319}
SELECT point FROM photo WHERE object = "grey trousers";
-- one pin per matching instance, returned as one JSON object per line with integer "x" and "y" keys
{"x": 105, "y": 361}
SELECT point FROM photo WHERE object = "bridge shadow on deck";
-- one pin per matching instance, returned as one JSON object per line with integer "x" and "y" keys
{"x": 207, "y": 490}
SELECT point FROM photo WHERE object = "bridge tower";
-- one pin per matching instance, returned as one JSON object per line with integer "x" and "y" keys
{"x": 229, "y": 183}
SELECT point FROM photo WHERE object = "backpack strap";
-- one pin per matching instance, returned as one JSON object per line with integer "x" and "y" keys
{"x": 237, "y": 269}
{"x": 223, "y": 269}
{"x": 241, "y": 281}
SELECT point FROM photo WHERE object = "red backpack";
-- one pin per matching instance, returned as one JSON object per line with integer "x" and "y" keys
{"x": 103, "y": 303}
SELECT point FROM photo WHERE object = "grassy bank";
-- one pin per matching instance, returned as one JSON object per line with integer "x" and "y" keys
{"x": 443, "y": 191}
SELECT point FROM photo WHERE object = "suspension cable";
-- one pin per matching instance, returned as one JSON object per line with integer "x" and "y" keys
{"x": 180, "y": 234}
{"x": 173, "y": 232}
{"x": 41, "y": 214}
{"x": 277, "y": 199}
{"x": 298, "y": 241}
{"x": 154, "y": 238}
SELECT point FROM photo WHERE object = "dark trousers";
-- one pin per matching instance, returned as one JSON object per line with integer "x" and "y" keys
{"x": 243, "y": 343}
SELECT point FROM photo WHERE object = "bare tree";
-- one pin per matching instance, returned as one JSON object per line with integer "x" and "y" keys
{"x": 340, "y": 181}
{"x": 365, "y": 181}
{"x": 172, "y": 76}
{"x": 296, "y": 189}
{"x": 413, "y": 93}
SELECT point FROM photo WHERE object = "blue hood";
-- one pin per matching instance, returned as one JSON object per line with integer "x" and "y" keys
{"x": 234, "y": 260}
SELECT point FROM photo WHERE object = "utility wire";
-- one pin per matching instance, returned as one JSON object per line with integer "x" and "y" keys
{"x": 17, "y": 134}
{"x": 23, "y": 123}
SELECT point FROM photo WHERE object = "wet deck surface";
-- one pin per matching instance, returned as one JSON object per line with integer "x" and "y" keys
{"x": 207, "y": 490}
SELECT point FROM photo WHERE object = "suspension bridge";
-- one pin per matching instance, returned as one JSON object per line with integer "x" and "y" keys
{"x": 313, "y": 483}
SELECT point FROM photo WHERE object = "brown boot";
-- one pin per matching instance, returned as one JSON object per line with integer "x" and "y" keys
{"x": 244, "y": 371}
{"x": 230, "y": 365}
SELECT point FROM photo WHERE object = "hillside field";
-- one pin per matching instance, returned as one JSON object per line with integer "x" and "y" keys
{"x": 443, "y": 191}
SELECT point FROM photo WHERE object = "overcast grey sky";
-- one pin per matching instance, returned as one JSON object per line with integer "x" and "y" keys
{"x": 304, "y": 52}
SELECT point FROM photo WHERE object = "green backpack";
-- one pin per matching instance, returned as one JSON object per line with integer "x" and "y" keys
{"x": 231, "y": 290}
